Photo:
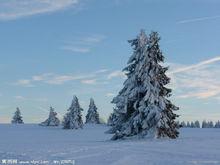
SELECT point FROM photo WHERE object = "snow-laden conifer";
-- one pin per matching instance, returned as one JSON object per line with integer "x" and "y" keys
{"x": 197, "y": 124}
{"x": 192, "y": 125}
{"x": 52, "y": 119}
{"x": 73, "y": 118}
{"x": 142, "y": 106}
{"x": 183, "y": 124}
{"x": 17, "y": 118}
{"x": 204, "y": 124}
{"x": 210, "y": 124}
{"x": 188, "y": 124}
{"x": 217, "y": 124}
{"x": 92, "y": 116}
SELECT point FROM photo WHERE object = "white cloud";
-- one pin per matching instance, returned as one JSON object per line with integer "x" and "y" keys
{"x": 76, "y": 49}
{"x": 200, "y": 80}
{"x": 13, "y": 9}
{"x": 51, "y": 78}
{"x": 101, "y": 71}
{"x": 195, "y": 66}
{"x": 198, "y": 19}
{"x": 110, "y": 94}
{"x": 91, "y": 81}
{"x": 116, "y": 74}
{"x": 60, "y": 79}
{"x": 41, "y": 77}
{"x": 22, "y": 98}
{"x": 24, "y": 82}
{"x": 55, "y": 79}
{"x": 83, "y": 45}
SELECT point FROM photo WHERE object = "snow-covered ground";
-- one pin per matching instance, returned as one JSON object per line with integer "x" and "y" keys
{"x": 91, "y": 146}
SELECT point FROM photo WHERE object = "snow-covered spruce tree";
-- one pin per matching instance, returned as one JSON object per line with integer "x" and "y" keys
{"x": 210, "y": 124}
{"x": 204, "y": 124}
{"x": 217, "y": 124}
{"x": 73, "y": 118}
{"x": 183, "y": 124}
{"x": 192, "y": 125}
{"x": 52, "y": 119}
{"x": 142, "y": 106}
{"x": 17, "y": 118}
{"x": 92, "y": 116}
{"x": 188, "y": 124}
{"x": 197, "y": 124}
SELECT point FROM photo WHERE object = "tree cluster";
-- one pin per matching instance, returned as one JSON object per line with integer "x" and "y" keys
{"x": 71, "y": 120}
{"x": 196, "y": 124}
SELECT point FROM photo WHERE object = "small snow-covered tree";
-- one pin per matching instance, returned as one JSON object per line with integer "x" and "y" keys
{"x": 188, "y": 124}
{"x": 204, "y": 124}
{"x": 52, "y": 119}
{"x": 183, "y": 124}
{"x": 17, "y": 118}
{"x": 197, "y": 124}
{"x": 192, "y": 125}
{"x": 73, "y": 118}
{"x": 210, "y": 124}
{"x": 217, "y": 124}
{"x": 92, "y": 116}
{"x": 142, "y": 106}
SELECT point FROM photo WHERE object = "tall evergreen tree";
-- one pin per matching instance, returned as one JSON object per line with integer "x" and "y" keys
{"x": 142, "y": 106}
{"x": 52, "y": 119}
{"x": 92, "y": 114}
{"x": 73, "y": 118}
{"x": 17, "y": 118}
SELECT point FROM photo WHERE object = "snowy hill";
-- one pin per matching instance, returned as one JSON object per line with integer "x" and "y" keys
{"x": 91, "y": 146}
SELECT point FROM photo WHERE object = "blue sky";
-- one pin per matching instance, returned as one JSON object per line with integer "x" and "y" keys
{"x": 51, "y": 50}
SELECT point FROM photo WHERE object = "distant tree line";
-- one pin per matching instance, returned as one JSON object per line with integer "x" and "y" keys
{"x": 196, "y": 124}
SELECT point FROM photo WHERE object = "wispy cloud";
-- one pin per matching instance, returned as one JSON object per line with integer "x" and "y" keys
{"x": 19, "y": 98}
{"x": 13, "y": 9}
{"x": 59, "y": 79}
{"x": 24, "y": 83}
{"x": 76, "y": 49}
{"x": 110, "y": 94}
{"x": 83, "y": 45}
{"x": 195, "y": 66}
{"x": 54, "y": 79}
{"x": 102, "y": 71}
{"x": 51, "y": 78}
{"x": 22, "y": 98}
{"x": 198, "y": 19}
{"x": 91, "y": 81}
{"x": 116, "y": 74}
{"x": 198, "y": 80}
